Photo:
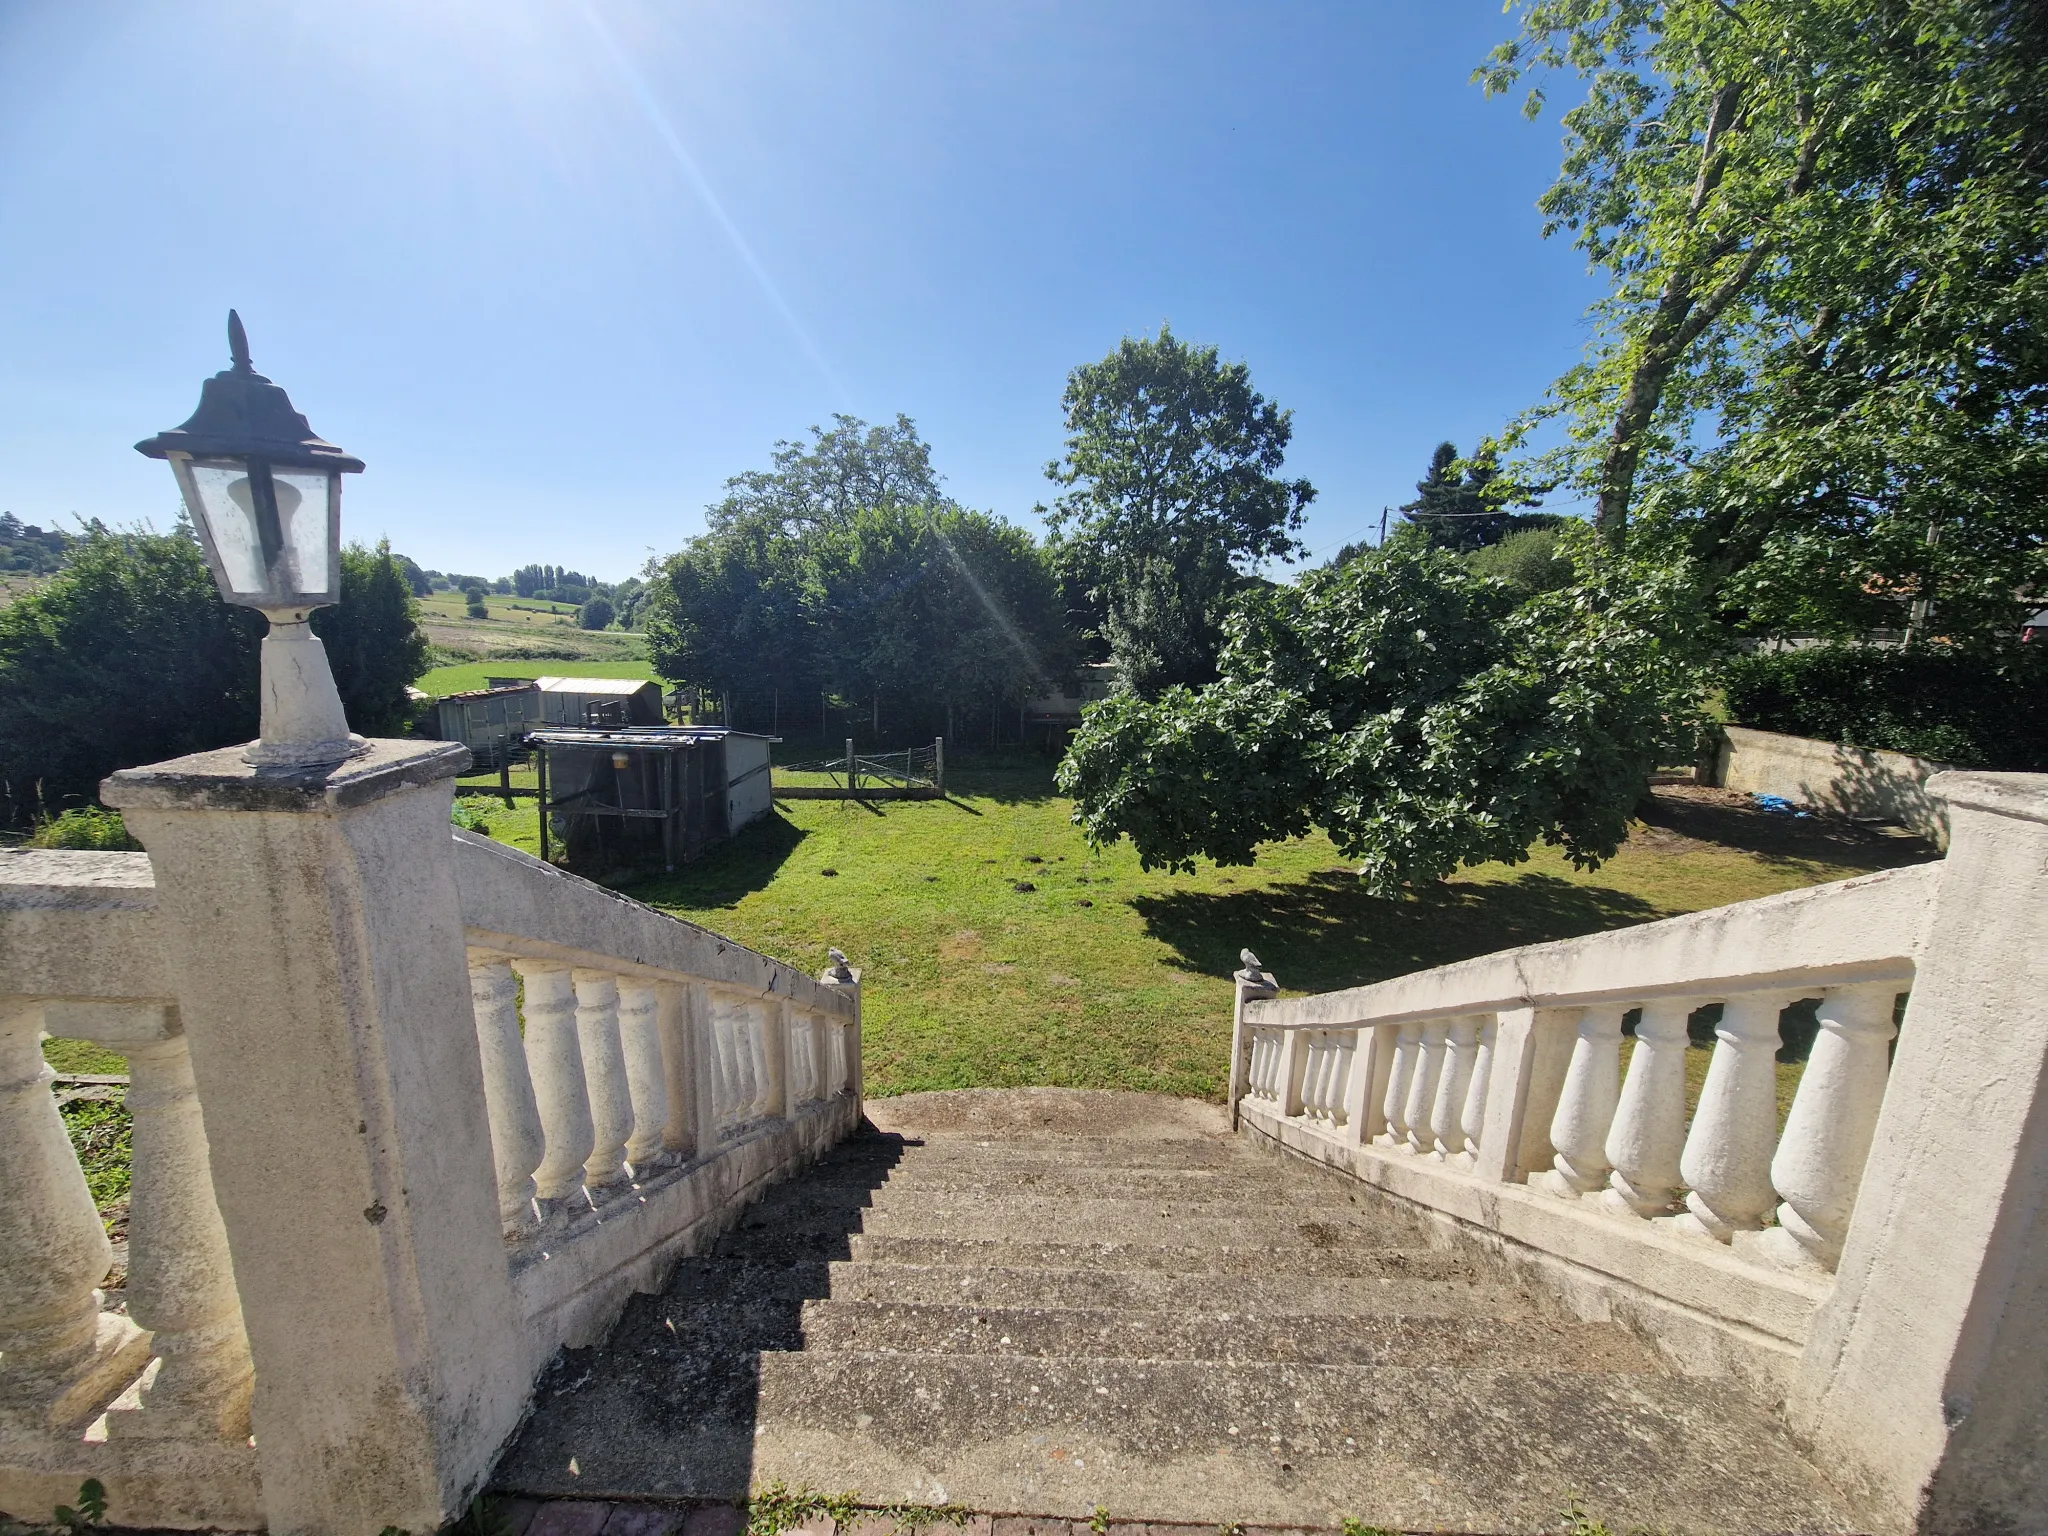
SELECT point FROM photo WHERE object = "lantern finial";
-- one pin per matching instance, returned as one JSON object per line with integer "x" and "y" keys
{"x": 238, "y": 344}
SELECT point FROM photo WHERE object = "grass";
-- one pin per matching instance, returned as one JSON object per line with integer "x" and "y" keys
{"x": 1101, "y": 975}
{"x": 465, "y": 676}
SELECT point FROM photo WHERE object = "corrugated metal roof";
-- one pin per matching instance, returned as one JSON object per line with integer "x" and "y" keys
{"x": 615, "y": 685}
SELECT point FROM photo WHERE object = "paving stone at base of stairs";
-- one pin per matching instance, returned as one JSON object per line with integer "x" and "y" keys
{"x": 961, "y": 1342}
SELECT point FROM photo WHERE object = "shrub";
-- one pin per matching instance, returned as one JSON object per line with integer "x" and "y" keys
{"x": 1529, "y": 561}
{"x": 475, "y": 606}
{"x": 1972, "y": 709}
{"x": 595, "y": 614}
{"x": 90, "y": 827}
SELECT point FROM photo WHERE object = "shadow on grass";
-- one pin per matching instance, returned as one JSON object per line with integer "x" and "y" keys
{"x": 729, "y": 872}
{"x": 1677, "y": 817}
{"x": 1019, "y": 783}
{"x": 1326, "y": 931}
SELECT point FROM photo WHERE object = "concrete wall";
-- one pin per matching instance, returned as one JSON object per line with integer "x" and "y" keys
{"x": 1862, "y": 782}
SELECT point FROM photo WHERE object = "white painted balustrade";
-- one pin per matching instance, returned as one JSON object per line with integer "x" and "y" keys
{"x": 608, "y": 1091}
{"x": 1872, "y": 1259}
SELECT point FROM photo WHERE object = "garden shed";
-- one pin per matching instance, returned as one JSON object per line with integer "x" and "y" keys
{"x": 636, "y": 793}
{"x": 492, "y": 722}
{"x": 599, "y": 701}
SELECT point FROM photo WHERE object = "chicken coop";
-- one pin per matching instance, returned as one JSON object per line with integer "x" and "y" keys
{"x": 647, "y": 794}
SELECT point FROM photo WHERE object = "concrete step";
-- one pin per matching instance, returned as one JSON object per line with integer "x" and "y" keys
{"x": 1216, "y": 1185}
{"x": 1410, "y": 1336}
{"x": 1357, "y": 1262}
{"x": 1131, "y": 1221}
{"x": 1412, "y": 1448}
{"x": 730, "y": 1281}
{"x": 1056, "y": 1152}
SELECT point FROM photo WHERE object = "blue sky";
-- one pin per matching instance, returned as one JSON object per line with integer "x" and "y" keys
{"x": 556, "y": 270}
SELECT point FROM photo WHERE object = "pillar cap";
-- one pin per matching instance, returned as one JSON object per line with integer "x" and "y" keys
{"x": 221, "y": 781}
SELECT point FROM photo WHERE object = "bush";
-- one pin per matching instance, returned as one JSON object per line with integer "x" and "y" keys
{"x": 595, "y": 614}
{"x": 89, "y": 827}
{"x": 1529, "y": 561}
{"x": 1974, "y": 710}
{"x": 475, "y": 606}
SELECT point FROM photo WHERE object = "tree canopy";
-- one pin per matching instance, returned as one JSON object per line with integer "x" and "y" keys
{"x": 128, "y": 656}
{"x": 1822, "y": 364}
{"x": 801, "y": 588}
{"x": 1423, "y": 716}
{"x": 1172, "y": 492}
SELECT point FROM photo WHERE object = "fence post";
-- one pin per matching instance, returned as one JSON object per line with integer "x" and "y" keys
{"x": 939, "y": 765}
{"x": 851, "y": 784}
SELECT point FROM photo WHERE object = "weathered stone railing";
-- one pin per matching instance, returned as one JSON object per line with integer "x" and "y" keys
{"x": 411, "y": 1111}
{"x": 1812, "y": 1260}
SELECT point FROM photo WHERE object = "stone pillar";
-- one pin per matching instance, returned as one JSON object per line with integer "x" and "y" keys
{"x": 1827, "y": 1135}
{"x": 554, "y": 1057}
{"x": 675, "y": 1020}
{"x": 1525, "y": 1075}
{"x": 845, "y": 980}
{"x": 1422, "y": 1085}
{"x": 1253, "y": 983}
{"x": 1648, "y": 1134}
{"x": 1924, "y": 1388}
{"x": 61, "y": 1358}
{"x": 1461, "y": 1052}
{"x": 646, "y": 1076}
{"x": 1472, "y": 1117}
{"x": 1394, "y": 1109}
{"x": 604, "y": 1074}
{"x": 517, "y": 1143}
{"x": 1727, "y": 1158}
{"x": 315, "y": 945}
{"x": 1585, "y": 1109}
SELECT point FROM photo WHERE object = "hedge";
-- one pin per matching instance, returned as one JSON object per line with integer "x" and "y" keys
{"x": 1973, "y": 711}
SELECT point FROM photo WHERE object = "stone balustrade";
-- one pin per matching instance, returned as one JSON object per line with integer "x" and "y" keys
{"x": 1537, "y": 1100}
{"x": 367, "y": 1207}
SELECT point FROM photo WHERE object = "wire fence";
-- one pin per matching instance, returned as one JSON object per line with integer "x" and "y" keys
{"x": 910, "y": 772}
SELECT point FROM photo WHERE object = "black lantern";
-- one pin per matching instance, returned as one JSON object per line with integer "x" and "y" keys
{"x": 265, "y": 495}
{"x": 263, "y": 491}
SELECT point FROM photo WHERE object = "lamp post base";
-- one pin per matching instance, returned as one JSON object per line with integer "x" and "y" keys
{"x": 303, "y": 722}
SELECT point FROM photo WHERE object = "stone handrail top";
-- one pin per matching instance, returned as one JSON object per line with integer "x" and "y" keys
{"x": 513, "y": 902}
{"x": 1865, "y": 929}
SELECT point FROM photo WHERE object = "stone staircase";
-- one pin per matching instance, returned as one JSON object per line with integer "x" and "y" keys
{"x": 1044, "y": 1302}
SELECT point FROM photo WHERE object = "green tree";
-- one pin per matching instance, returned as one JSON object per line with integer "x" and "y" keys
{"x": 1463, "y": 504}
{"x": 127, "y": 656}
{"x": 935, "y": 604}
{"x": 1819, "y": 369}
{"x": 597, "y": 613}
{"x": 848, "y": 469}
{"x": 1414, "y": 711}
{"x": 1172, "y": 491}
{"x": 373, "y": 639}
{"x": 728, "y": 612}
{"x": 1528, "y": 562}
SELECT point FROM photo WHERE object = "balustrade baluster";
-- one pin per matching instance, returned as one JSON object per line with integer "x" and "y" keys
{"x": 181, "y": 1280}
{"x": 1422, "y": 1087}
{"x": 554, "y": 1059}
{"x": 604, "y": 1069}
{"x": 1343, "y": 1062}
{"x": 517, "y": 1142}
{"x": 1314, "y": 1046}
{"x": 1407, "y": 1051}
{"x": 646, "y": 1076}
{"x": 1461, "y": 1051}
{"x": 1819, "y": 1165}
{"x": 1648, "y": 1136}
{"x": 761, "y": 1019}
{"x": 682, "y": 1021}
{"x": 1472, "y": 1115}
{"x": 61, "y": 1358}
{"x": 1727, "y": 1158}
{"x": 1585, "y": 1109}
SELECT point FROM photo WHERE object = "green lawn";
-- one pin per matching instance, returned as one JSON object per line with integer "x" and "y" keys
{"x": 1105, "y": 976}
{"x": 468, "y": 675}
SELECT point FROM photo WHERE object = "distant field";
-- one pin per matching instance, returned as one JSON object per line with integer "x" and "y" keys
{"x": 468, "y": 675}
{"x": 506, "y": 610}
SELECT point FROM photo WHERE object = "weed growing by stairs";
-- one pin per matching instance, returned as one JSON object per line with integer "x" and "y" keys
{"x": 777, "y": 1508}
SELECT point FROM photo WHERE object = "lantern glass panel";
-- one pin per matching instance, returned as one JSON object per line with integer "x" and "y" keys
{"x": 302, "y": 507}
{"x": 297, "y": 559}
